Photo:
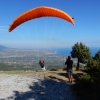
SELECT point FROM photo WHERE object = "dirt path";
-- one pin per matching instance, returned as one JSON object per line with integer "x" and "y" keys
{"x": 32, "y": 85}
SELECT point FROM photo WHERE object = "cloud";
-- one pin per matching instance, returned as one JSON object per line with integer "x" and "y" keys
{"x": 3, "y": 28}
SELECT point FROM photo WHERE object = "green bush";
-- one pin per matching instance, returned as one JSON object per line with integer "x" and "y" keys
{"x": 87, "y": 88}
{"x": 93, "y": 65}
{"x": 65, "y": 68}
{"x": 53, "y": 69}
{"x": 85, "y": 80}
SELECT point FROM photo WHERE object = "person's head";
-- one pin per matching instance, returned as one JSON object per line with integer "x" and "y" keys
{"x": 69, "y": 57}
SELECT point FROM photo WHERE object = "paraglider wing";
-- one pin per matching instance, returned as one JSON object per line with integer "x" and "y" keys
{"x": 42, "y": 11}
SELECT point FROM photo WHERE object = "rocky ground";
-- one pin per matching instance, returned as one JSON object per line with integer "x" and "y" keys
{"x": 36, "y": 86}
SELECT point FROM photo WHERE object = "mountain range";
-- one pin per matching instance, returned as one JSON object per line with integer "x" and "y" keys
{"x": 3, "y": 47}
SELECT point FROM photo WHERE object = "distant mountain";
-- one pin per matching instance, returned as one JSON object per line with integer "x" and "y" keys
{"x": 3, "y": 47}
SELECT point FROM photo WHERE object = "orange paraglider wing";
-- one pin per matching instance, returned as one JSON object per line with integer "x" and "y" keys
{"x": 40, "y": 12}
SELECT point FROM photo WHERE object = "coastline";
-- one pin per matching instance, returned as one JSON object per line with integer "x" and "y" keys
{"x": 66, "y": 51}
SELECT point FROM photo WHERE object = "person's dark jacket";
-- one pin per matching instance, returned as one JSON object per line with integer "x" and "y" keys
{"x": 69, "y": 64}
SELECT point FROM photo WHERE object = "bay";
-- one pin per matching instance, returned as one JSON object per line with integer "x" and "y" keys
{"x": 66, "y": 51}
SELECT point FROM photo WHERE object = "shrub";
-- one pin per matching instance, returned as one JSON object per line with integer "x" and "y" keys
{"x": 64, "y": 69}
{"x": 85, "y": 81}
{"x": 88, "y": 88}
{"x": 53, "y": 69}
{"x": 93, "y": 65}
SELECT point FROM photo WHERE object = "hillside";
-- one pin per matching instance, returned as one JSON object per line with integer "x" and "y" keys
{"x": 3, "y": 47}
{"x": 35, "y": 85}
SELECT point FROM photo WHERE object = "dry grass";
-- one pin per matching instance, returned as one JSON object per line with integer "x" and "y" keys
{"x": 60, "y": 75}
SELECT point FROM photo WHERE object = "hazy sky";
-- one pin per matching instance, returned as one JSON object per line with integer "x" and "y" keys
{"x": 50, "y": 31}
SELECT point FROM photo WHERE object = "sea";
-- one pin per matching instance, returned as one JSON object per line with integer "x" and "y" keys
{"x": 66, "y": 51}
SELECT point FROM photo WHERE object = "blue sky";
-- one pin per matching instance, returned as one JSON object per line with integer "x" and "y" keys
{"x": 49, "y": 31}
